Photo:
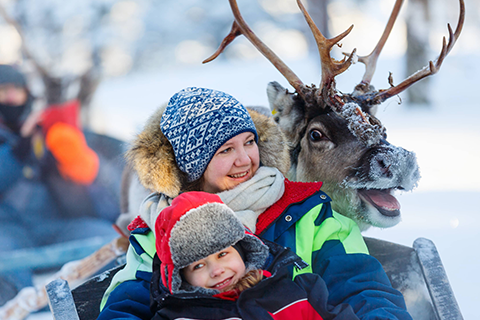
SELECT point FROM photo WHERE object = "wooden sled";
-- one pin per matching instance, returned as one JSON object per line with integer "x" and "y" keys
{"x": 416, "y": 271}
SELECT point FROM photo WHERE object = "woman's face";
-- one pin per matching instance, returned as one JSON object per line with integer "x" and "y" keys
{"x": 235, "y": 161}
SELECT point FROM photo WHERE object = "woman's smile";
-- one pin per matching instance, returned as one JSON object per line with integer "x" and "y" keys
{"x": 236, "y": 161}
{"x": 240, "y": 175}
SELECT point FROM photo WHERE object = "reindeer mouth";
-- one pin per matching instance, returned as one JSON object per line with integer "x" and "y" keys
{"x": 382, "y": 200}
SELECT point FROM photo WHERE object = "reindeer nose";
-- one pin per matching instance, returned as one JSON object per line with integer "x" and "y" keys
{"x": 384, "y": 168}
{"x": 395, "y": 166}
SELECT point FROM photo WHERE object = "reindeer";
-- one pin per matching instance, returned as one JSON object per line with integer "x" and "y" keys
{"x": 335, "y": 137}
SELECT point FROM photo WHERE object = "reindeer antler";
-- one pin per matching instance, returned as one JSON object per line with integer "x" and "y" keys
{"x": 430, "y": 69}
{"x": 330, "y": 67}
{"x": 370, "y": 61}
{"x": 364, "y": 126}
{"x": 240, "y": 27}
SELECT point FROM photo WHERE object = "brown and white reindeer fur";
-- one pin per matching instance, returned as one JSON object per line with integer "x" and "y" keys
{"x": 360, "y": 178}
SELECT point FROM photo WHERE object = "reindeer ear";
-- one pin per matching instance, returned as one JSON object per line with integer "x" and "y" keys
{"x": 279, "y": 99}
{"x": 272, "y": 144}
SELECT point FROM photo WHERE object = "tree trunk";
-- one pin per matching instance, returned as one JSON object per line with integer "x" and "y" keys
{"x": 418, "y": 23}
{"x": 319, "y": 13}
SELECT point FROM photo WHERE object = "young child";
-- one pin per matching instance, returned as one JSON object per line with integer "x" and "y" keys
{"x": 209, "y": 266}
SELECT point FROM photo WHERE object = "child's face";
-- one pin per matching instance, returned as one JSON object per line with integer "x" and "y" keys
{"x": 220, "y": 271}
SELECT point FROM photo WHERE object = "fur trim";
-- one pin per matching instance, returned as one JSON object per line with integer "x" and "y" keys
{"x": 151, "y": 154}
{"x": 152, "y": 157}
{"x": 202, "y": 231}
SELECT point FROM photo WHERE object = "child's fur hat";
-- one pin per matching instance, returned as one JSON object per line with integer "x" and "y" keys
{"x": 194, "y": 226}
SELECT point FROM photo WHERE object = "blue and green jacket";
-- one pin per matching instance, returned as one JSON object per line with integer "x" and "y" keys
{"x": 330, "y": 243}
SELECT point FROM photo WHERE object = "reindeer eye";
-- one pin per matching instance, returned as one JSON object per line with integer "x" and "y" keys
{"x": 316, "y": 135}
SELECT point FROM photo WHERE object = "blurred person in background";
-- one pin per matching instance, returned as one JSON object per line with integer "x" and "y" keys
{"x": 48, "y": 189}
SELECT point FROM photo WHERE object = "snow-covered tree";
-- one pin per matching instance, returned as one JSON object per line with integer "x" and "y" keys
{"x": 73, "y": 44}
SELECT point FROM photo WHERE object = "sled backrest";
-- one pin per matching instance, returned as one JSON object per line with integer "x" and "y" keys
{"x": 403, "y": 268}
{"x": 417, "y": 272}
{"x": 88, "y": 296}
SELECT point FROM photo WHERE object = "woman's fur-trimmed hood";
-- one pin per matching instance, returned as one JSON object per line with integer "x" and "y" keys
{"x": 151, "y": 154}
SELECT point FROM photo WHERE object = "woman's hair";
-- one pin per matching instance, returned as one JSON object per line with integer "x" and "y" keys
{"x": 192, "y": 186}
{"x": 250, "y": 279}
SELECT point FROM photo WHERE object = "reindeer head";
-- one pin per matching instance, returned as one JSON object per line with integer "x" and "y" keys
{"x": 335, "y": 137}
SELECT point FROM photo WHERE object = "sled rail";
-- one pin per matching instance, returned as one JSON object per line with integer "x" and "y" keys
{"x": 415, "y": 271}
{"x": 444, "y": 301}
{"x": 61, "y": 300}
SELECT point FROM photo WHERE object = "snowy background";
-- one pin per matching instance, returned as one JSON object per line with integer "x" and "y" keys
{"x": 445, "y": 136}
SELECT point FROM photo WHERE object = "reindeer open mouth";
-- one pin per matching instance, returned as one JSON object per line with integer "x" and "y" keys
{"x": 382, "y": 200}
{"x": 383, "y": 170}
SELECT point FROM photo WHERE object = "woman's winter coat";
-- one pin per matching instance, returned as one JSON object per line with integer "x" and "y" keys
{"x": 301, "y": 219}
{"x": 275, "y": 297}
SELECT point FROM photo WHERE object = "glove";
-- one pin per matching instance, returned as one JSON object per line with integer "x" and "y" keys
{"x": 75, "y": 160}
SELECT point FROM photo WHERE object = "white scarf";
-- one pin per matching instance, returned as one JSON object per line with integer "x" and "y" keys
{"x": 251, "y": 198}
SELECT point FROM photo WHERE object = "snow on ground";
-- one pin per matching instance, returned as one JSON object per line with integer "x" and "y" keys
{"x": 445, "y": 137}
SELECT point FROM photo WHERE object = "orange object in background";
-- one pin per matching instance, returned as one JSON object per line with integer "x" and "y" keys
{"x": 63, "y": 137}
{"x": 76, "y": 161}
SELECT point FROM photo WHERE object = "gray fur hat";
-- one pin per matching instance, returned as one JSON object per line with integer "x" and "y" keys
{"x": 194, "y": 226}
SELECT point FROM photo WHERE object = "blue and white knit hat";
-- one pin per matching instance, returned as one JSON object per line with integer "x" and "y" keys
{"x": 197, "y": 122}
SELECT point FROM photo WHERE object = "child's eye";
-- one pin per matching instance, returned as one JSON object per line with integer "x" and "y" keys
{"x": 197, "y": 266}
{"x": 250, "y": 142}
{"x": 222, "y": 254}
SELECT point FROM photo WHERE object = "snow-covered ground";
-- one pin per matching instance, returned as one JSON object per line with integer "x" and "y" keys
{"x": 446, "y": 138}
